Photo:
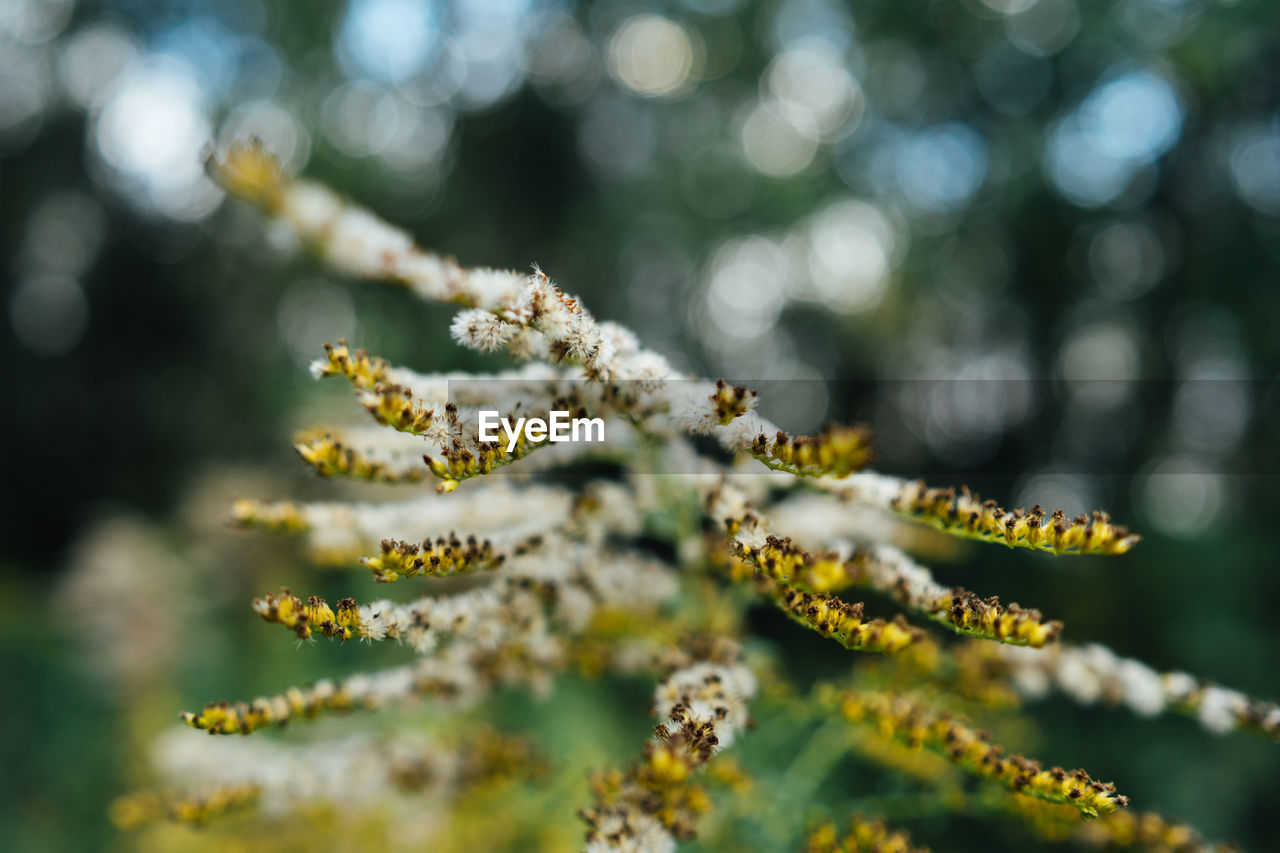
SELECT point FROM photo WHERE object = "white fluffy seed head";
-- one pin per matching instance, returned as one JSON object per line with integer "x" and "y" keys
{"x": 360, "y": 243}
{"x": 476, "y": 328}
{"x": 1179, "y": 686}
{"x": 311, "y": 208}
{"x": 1143, "y": 688}
{"x": 1221, "y": 709}
{"x": 491, "y": 289}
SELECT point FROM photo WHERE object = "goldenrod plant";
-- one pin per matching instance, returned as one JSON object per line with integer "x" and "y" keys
{"x": 642, "y": 557}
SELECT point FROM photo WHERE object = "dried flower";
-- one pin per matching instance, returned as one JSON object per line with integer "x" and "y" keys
{"x": 702, "y": 707}
{"x": 630, "y": 573}
{"x": 909, "y": 721}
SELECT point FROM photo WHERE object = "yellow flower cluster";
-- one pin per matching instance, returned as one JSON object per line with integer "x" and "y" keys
{"x": 968, "y": 614}
{"x": 655, "y": 800}
{"x": 439, "y": 557}
{"x": 396, "y": 407}
{"x": 391, "y": 404}
{"x": 731, "y": 401}
{"x": 781, "y": 560}
{"x": 284, "y": 517}
{"x": 229, "y": 718}
{"x": 1122, "y": 829}
{"x": 907, "y": 720}
{"x": 331, "y": 457}
{"x": 965, "y": 514}
{"x": 841, "y": 621}
{"x": 962, "y": 611}
{"x": 457, "y": 463}
{"x": 361, "y": 369}
{"x": 837, "y": 451}
{"x": 136, "y": 810}
{"x": 863, "y": 836}
{"x": 926, "y": 767}
{"x": 1151, "y": 832}
{"x": 658, "y": 787}
{"x": 778, "y": 564}
{"x": 250, "y": 172}
{"x": 314, "y": 616}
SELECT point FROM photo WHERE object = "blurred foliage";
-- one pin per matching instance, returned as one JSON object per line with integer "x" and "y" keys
{"x": 1005, "y": 190}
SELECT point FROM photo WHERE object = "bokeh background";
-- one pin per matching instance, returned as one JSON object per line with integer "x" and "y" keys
{"x": 1035, "y": 242}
